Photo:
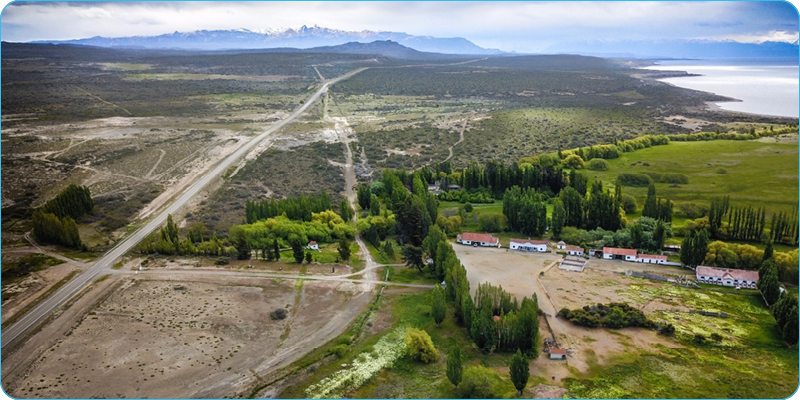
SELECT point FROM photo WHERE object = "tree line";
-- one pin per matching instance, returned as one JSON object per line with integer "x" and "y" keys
{"x": 749, "y": 223}
{"x": 493, "y": 320}
{"x": 296, "y": 208}
{"x": 784, "y": 305}
{"x": 55, "y": 222}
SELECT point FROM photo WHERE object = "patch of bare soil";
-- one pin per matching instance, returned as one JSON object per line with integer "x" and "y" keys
{"x": 547, "y": 392}
{"x": 187, "y": 336}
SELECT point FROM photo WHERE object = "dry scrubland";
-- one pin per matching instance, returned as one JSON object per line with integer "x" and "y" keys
{"x": 212, "y": 338}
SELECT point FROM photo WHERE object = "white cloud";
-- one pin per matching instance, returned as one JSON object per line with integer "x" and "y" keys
{"x": 521, "y": 26}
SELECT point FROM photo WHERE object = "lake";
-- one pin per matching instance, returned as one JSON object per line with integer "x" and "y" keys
{"x": 768, "y": 87}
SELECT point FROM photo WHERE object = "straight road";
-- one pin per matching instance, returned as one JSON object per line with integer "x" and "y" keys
{"x": 58, "y": 298}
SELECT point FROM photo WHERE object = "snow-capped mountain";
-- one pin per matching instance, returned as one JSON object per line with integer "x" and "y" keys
{"x": 302, "y": 38}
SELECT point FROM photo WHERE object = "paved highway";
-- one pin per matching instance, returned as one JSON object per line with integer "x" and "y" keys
{"x": 50, "y": 304}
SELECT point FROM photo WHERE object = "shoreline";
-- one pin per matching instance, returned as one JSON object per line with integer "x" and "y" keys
{"x": 712, "y": 105}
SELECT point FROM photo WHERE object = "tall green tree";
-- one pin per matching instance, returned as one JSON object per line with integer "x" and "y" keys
{"x": 650, "y": 208}
{"x": 520, "y": 371}
{"x": 413, "y": 256}
{"x": 572, "y": 201}
{"x": 297, "y": 250}
{"x": 374, "y": 205}
{"x": 276, "y": 249}
{"x": 363, "y": 195}
{"x": 344, "y": 248}
{"x": 559, "y": 218}
{"x": 439, "y": 305}
{"x": 454, "y": 366}
{"x": 345, "y": 211}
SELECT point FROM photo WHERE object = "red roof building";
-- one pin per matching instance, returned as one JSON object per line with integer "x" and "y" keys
{"x": 652, "y": 256}
{"x": 477, "y": 239}
{"x": 574, "y": 248}
{"x": 615, "y": 251}
{"x": 528, "y": 241}
{"x": 727, "y": 277}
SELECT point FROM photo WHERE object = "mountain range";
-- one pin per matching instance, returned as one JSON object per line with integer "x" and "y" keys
{"x": 302, "y": 38}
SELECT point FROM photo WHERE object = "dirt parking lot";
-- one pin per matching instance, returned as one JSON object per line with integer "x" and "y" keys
{"x": 187, "y": 336}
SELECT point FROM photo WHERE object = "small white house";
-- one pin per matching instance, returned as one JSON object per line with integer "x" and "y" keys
{"x": 312, "y": 245}
{"x": 574, "y": 250}
{"x": 558, "y": 354}
{"x": 528, "y": 245}
{"x": 478, "y": 239}
{"x": 727, "y": 277}
{"x": 615, "y": 253}
{"x": 561, "y": 245}
{"x": 651, "y": 259}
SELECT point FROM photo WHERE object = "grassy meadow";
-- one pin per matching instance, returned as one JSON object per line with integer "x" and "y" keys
{"x": 752, "y": 173}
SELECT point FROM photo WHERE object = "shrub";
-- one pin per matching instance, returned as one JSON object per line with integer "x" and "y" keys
{"x": 692, "y": 210}
{"x": 420, "y": 346}
{"x": 480, "y": 382}
{"x": 628, "y": 203}
{"x": 628, "y": 179}
{"x": 573, "y": 161}
{"x": 339, "y": 350}
{"x": 278, "y": 314}
{"x": 222, "y": 261}
{"x": 598, "y": 164}
{"x": 491, "y": 222}
{"x": 612, "y": 315}
{"x": 668, "y": 178}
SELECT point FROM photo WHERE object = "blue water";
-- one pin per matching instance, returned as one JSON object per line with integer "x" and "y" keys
{"x": 767, "y": 87}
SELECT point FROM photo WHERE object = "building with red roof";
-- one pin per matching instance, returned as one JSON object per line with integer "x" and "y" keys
{"x": 727, "y": 277}
{"x": 478, "y": 239}
{"x": 615, "y": 253}
{"x": 650, "y": 258}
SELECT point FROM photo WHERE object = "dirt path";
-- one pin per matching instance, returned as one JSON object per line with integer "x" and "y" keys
{"x": 103, "y": 101}
{"x": 460, "y": 139}
{"x": 161, "y": 157}
{"x": 321, "y": 78}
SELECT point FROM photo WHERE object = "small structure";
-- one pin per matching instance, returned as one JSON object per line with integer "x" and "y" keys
{"x": 528, "y": 245}
{"x": 574, "y": 250}
{"x": 651, "y": 259}
{"x": 558, "y": 354}
{"x": 313, "y": 245}
{"x": 572, "y": 263}
{"x": 676, "y": 248}
{"x": 478, "y": 239}
{"x": 561, "y": 245}
{"x": 615, "y": 253}
{"x": 727, "y": 277}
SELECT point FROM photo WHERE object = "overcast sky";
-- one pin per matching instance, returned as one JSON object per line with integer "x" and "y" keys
{"x": 510, "y": 26}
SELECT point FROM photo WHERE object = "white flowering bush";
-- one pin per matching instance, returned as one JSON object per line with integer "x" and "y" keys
{"x": 385, "y": 352}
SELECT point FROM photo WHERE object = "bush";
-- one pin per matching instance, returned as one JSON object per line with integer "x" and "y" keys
{"x": 420, "y": 346}
{"x": 628, "y": 179}
{"x": 340, "y": 350}
{"x": 612, "y": 315}
{"x": 573, "y": 161}
{"x": 222, "y": 261}
{"x": 480, "y": 382}
{"x": 692, "y": 210}
{"x": 491, "y": 222}
{"x": 278, "y": 314}
{"x": 668, "y": 178}
{"x": 628, "y": 203}
{"x": 598, "y": 164}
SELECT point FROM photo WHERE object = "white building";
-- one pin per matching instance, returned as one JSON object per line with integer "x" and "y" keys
{"x": 651, "y": 259}
{"x": 615, "y": 253}
{"x": 478, "y": 239}
{"x": 558, "y": 354}
{"x": 528, "y": 245}
{"x": 561, "y": 245}
{"x": 313, "y": 245}
{"x": 727, "y": 277}
{"x": 574, "y": 250}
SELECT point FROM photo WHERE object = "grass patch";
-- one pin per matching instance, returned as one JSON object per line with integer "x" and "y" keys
{"x": 27, "y": 264}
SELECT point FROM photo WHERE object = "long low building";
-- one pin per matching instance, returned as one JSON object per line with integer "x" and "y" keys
{"x": 615, "y": 253}
{"x": 650, "y": 258}
{"x": 727, "y": 277}
{"x": 478, "y": 239}
{"x": 528, "y": 245}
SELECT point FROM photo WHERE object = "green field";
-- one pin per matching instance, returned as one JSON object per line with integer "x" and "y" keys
{"x": 752, "y": 173}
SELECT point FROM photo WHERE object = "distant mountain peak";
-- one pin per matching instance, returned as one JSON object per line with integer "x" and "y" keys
{"x": 303, "y": 37}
